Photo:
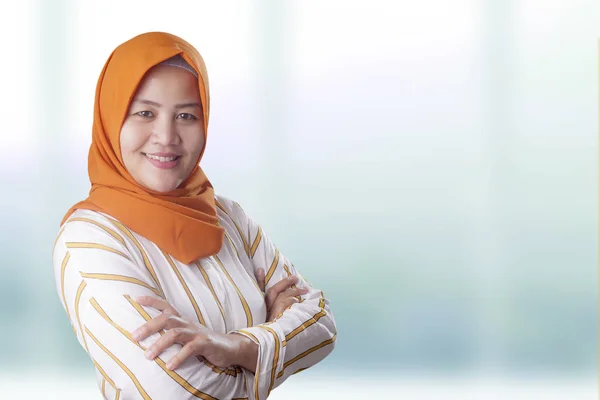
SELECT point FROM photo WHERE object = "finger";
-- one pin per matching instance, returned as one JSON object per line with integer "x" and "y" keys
{"x": 176, "y": 335}
{"x": 163, "y": 321}
{"x": 189, "y": 350}
{"x": 279, "y": 287}
{"x": 260, "y": 278}
{"x": 294, "y": 292}
{"x": 157, "y": 303}
{"x": 281, "y": 305}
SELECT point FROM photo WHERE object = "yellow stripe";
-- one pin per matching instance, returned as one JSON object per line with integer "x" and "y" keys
{"x": 174, "y": 375}
{"x": 275, "y": 357}
{"x": 137, "y": 244}
{"x": 77, "y": 298}
{"x": 257, "y": 373}
{"x": 104, "y": 375}
{"x": 242, "y": 299}
{"x": 307, "y": 352}
{"x": 214, "y": 294}
{"x": 118, "y": 394}
{"x": 103, "y": 387}
{"x": 105, "y": 228}
{"x": 123, "y": 366}
{"x": 272, "y": 267}
{"x": 289, "y": 273}
{"x": 232, "y": 245}
{"x": 147, "y": 317}
{"x": 120, "y": 278}
{"x": 81, "y": 245}
{"x": 300, "y": 370}
{"x": 311, "y": 321}
{"x": 63, "y": 267}
{"x": 256, "y": 242}
{"x": 186, "y": 288}
{"x": 252, "y": 278}
{"x": 236, "y": 226}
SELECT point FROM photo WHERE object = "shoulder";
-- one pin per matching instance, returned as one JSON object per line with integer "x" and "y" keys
{"x": 86, "y": 227}
{"x": 229, "y": 207}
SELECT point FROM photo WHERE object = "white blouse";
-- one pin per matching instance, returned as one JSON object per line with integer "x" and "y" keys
{"x": 100, "y": 266}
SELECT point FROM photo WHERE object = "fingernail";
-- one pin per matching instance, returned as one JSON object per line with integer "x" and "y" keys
{"x": 149, "y": 355}
{"x": 135, "y": 335}
{"x": 170, "y": 365}
{"x": 304, "y": 290}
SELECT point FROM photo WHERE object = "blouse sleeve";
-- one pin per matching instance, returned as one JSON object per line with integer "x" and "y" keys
{"x": 97, "y": 280}
{"x": 302, "y": 335}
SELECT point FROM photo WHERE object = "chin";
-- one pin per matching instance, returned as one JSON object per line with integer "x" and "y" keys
{"x": 162, "y": 187}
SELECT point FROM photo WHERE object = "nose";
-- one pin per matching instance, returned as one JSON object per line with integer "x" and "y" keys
{"x": 164, "y": 131}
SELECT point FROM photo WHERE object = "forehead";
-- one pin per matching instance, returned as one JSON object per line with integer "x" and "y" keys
{"x": 165, "y": 80}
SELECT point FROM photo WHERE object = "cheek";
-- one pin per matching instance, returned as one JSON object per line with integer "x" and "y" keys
{"x": 195, "y": 143}
{"x": 131, "y": 140}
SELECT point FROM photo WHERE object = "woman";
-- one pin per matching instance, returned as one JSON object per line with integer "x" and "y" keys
{"x": 163, "y": 281}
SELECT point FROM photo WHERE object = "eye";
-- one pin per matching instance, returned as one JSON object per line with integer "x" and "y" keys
{"x": 145, "y": 114}
{"x": 187, "y": 116}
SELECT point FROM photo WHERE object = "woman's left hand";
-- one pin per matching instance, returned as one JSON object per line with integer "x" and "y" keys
{"x": 197, "y": 340}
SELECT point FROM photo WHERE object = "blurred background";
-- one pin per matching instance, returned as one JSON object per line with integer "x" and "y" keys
{"x": 432, "y": 165}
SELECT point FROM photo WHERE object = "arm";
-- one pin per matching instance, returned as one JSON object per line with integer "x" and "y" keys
{"x": 302, "y": 335}
{"x": 97, "y": 282}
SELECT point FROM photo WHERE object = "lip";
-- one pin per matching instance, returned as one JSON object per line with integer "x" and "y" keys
{"x": 161, "y": 154}
{"x": 163, "y": 165}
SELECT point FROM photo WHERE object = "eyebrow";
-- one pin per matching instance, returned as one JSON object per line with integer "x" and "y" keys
{"x": 177, "y": 106}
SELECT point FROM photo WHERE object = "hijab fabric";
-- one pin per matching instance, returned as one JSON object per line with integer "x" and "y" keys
{"x": 182, "y": 222}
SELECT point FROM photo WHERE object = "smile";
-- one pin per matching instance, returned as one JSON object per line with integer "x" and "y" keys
{"x": 162, "y": 161}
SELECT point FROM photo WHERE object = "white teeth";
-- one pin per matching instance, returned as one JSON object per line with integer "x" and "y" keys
{"x": 161, "y": 159}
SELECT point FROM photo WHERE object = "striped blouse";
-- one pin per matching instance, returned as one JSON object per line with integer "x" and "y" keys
{"x": 100, "y": 266}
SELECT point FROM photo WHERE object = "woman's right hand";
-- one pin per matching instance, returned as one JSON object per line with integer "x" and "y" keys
{"x": 280, "y": 296}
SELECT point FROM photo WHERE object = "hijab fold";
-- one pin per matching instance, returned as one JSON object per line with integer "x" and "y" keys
{"x": 182, "y": 222}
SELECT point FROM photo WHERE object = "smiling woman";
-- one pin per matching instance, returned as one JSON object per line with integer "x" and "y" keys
{"x": 173, "y": 291}
{"x": 163, "y": 134}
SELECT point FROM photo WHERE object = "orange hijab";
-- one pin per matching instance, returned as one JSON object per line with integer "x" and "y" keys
{"x": 182, "y": 222}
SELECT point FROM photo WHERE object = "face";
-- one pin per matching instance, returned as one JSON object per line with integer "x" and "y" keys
{"x": 163, "y": 132}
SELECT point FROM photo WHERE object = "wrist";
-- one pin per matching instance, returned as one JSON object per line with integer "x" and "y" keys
{"x": 245, "y": 351}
